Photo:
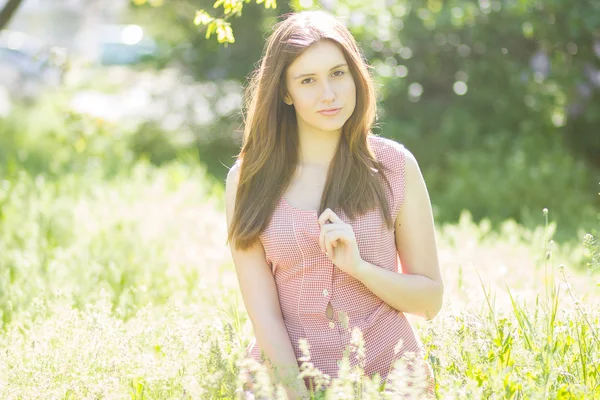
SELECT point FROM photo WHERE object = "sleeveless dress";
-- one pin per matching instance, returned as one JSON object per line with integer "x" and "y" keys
{"x": 307, "y": 281}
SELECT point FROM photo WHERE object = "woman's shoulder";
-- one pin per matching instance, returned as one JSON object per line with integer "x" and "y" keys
{"x": 389, "y": 152}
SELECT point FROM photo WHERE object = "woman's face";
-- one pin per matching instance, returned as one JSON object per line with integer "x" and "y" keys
{"x": 320, "y": 79}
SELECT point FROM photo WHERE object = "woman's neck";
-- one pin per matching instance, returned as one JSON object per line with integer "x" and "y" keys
{"x": 317, "y": 148}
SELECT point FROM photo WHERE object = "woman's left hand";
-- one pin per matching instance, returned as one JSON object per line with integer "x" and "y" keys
{"x": 337, "y": 240}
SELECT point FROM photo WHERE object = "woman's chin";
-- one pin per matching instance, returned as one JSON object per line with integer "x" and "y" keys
{"x": 332, "y": 126}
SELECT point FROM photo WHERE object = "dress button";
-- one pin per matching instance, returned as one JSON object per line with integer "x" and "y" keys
{"x": 331, "y": 324}
{"x": 325, "y": 293}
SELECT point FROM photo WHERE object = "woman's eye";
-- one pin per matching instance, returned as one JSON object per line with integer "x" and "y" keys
{"x": 307, "y": 80}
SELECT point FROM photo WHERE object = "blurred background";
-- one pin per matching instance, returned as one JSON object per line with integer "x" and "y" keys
{"x": 498, "y": 100}
{"x": 119, "y": 121}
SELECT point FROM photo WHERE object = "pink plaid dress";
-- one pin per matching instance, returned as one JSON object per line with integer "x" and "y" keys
{"x": 307, "y": 281}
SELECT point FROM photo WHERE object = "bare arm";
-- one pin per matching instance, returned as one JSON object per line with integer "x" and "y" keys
{"x": 260, "y": 297}
{"x": 419, "y": 289}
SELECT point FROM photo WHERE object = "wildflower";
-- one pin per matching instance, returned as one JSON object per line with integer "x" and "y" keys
{"x": 308, "y": 370}
{"x": 409, "y": 378}
{"x": 398, "y": 346}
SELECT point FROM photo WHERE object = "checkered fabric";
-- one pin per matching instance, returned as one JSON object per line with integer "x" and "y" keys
{"x": 307, "y": 281}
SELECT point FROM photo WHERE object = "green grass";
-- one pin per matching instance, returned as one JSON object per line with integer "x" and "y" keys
{"x": 125, "y": 289}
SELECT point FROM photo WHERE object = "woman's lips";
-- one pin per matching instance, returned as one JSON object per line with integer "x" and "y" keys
{"x": 330, "y": 112}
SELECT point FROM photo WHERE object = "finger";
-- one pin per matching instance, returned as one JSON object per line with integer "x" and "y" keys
{"x": 325, "y": 231}
{"x": 323, "y": 217}
{"x": 334, "y": 245}
{"x": 329, "y": 248}
{"x": 336, "y": 236}
{"x": 334, "y": 218}
{"x": 331, "y": 243}
{"x": 329, "y": 215}
{"x": 327, "y": 228}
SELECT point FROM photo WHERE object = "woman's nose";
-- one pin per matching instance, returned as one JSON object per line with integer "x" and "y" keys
{"x": 328, "y": 94}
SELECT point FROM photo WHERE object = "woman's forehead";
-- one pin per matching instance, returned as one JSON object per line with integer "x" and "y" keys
{"x": 318, "y": 58}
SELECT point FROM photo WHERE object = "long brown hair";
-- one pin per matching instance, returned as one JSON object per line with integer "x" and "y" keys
{"x": 269, "y": 152}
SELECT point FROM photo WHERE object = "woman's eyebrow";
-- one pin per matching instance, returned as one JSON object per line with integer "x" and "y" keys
{"x": 310, "y": 74}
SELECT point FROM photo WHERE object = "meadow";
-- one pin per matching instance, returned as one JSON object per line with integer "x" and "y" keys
{"x": 124, "y": 288}
{"x": 116, "y": 281}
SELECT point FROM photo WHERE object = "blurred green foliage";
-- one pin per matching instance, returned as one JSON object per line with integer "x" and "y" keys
{"x": 50, "y": 139}
{"x": 495, "y": 100}
{"x": 209, "y": 22}
{"x": 80, "y": 235}
{"x": 184, "y": 43}
{"x": 591, "y": 242}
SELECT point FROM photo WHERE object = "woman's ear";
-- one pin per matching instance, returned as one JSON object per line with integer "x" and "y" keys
{"x": 285, "y": 95}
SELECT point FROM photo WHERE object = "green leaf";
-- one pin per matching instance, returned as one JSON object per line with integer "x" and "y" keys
{"x": 210, "y": 29}
{"x": 202, "y": 18}
{"x": 224, "y": 32}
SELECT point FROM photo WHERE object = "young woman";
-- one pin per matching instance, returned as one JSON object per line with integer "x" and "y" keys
{"x": 321, "y": 212}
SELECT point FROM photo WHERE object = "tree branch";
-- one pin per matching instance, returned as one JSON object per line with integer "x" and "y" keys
{"x": 8, "y": 11}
